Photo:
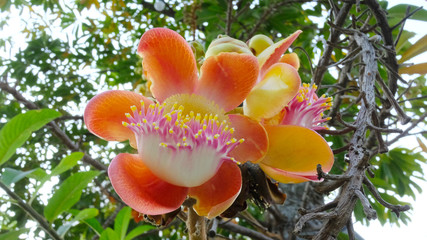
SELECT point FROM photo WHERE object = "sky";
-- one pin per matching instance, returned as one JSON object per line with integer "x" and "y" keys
{"x": 416, "y": 229}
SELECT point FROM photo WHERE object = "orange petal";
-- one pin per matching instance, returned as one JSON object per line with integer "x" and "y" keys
{"x": 296, "y": 150}
{"x": 286, "y": 177}
{"x": 217, "y": 194}
{"x": 256, "y": 142}
{"x": 105, "y": 112}
{"x": 291, "y": 59}
{"x": 279, "y": 85}
{"x": 168, "y": 62}
{"x": 272, "y": 54}
{"x": 139, "y": 188}
{"x": 228, "y": 78}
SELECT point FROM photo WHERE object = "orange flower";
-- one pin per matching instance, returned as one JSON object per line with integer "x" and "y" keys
{"x": 184, "y": 141}
{"x": 289, "y": 113}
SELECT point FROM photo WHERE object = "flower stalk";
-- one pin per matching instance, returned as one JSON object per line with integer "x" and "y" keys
{"x": 196, "y": 225}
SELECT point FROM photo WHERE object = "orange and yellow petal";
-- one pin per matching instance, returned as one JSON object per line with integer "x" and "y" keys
{"x": 105, "y": 113}
{"x": 279, "y": 85}
{"x": 168, "y": 62}
{"x": 291, "y": 59}
{"x": 287, "y": 177}
{"x": 256, "y": 142}
{"x": 272, "y": 54}
{"x": 216, "y": 195}
{"x": 139, "y": 188}
{"x": 228, "y": 78}
{"x": 296, "y": 150}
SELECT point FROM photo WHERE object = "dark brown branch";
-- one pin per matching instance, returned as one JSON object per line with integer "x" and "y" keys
{"x": 386, "y": 32}
{"x": 395, "y": 208}
{"x": 322, "y": 66}
{"x": 229, "y": 17}
{"x": 244, "y": 231}
{"x": 367, "y": 208}
{"x": 30, "y": 211}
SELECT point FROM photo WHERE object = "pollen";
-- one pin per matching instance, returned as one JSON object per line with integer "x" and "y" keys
{"x": 307, "y": 109}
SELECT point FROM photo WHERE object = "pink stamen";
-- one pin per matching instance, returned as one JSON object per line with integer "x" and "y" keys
{"x": 306, "y": 109}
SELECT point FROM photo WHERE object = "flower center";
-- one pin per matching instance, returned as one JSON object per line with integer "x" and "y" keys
{"x": 184, "y": 148}
{"x": 306, "y": 109}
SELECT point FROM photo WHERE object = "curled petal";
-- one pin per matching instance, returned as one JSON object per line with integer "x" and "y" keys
{"x": 286, "y": 177}
{"x": 279, "y": 85}
{"x": 256, "y": 142}
{"x": 139, "y": 188}
{"x": 168, "y": 62}
{"x": 105, "y": 112}
{"x": 216, "y": 195}
{"x": 294, "y": 153}
{"x": 228, "y": 78}
{"x": 291, "y": 59}
{"x": 272, "y": 54}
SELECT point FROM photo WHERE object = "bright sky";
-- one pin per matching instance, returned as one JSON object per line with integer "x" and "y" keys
{"x": 416, "y": 229}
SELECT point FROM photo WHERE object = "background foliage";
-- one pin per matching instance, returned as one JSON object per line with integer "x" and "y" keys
{"x": 67, "y": 52}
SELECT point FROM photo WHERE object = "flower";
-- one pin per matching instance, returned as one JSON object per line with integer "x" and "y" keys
{"x": 289, "y": 112}
{"x": 186, "y": 143}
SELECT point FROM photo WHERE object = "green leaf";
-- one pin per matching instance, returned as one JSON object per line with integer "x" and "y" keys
{"x": 121, "y": 222}
{"x": 68, "y": 194}
{"x": 82, "y": 215}
{"x": 13, "y": 234}
{"x": 10, "y": 175}
{"x": 19, "y": 129}
{"x": 67, "y": 163}
{"x": 138, "y": 231}
{"x": 95, "y": 225}
{"x": 403, "y": 40}
{"x": 109, "y": 234}
{"x": 399, "y": 12}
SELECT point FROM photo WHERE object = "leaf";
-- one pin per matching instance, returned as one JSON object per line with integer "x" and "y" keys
{"x": 13, "y": 234}
{"x": 19, "y": 129}
{"x": 11, "y": 175}
{"x": 422, "y": 145}
{"x": 138, "y": 231}
{"x": 95, "y": 225}
{"x": 121, "y": 222}
{"x": 109, "y": 234}
{"x": 68, "y": 194}
{"x": 419, "y": 47}
{"x": 67, "y": 163}
{"x": 82, "y": 215}
{"x": 403, "y": 40}
{"x": 420, "y": 68}
{"x": 399, "y": 12}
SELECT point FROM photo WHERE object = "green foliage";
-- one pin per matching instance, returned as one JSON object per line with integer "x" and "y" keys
{"x": 19, "y": 129}
{"x": 68, "y": 194}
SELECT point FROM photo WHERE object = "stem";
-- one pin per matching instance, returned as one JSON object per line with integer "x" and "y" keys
{"x": 30, "y": 211}
{"x": 196, "y": 225}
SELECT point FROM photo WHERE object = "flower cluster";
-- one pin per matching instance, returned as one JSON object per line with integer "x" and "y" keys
{"x": 187, "y": 144}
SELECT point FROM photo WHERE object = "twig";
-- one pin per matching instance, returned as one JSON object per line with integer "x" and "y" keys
{"x": 244, "y": 231}
{"x": 367, "y": 208}
{"x": 404, "y": 133}
{"x": 395, "y": 208}
{"x": 30, "y": 211}
{"x": 333, "y": 38}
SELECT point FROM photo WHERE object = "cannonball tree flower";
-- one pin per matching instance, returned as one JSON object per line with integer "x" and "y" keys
{"x": 289, "y": 112}
{"x": 184, "y": 139}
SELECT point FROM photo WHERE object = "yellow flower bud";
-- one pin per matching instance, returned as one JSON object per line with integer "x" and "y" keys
{"x": 227, "y": 44}
{"x": 259, "y": 43}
